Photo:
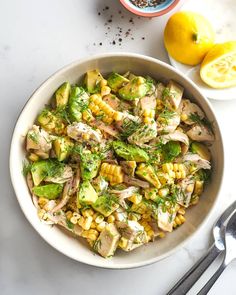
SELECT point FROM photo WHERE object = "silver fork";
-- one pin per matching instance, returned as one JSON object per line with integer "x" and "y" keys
{"x": 230, "y": 253}
{"x": 190, "y": 278}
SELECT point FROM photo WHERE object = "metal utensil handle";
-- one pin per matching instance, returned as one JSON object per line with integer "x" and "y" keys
{"x": 190, "y": 278}
{"x": 206, "y": 288}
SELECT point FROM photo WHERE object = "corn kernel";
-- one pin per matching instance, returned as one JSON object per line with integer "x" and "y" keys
{"x": 69, "y": 214}
{"x": 93, "y": 225}
{"x": 161, "y": 234}
{"x": 85, "y": 136}
{"x": 111, "y": 219}
{"x": 123, "y": 242}
{"x": 42, "y": 214}
{"x": 101, "y": 225}
{"x": 103, "y": 83}
{"x": 171, "y": 174}
{"x": 118, "y": 116}
{"x": 198, "y": 187}
{"x": 99, "y": 219}
{"x": 190, "y": 188}
{"x": 163, "y": 192}
{"x": 87, "y": 212}
{"x": 105, "y": 90}
{"x": 136, "y": 199}
{"x": 73, "y": 220}
{"x": 183, "y": 117}
{"x": 33, "y": 157}
{"x": 85, "y": 234}
{"x": 181, "y": 211}
{"x": 87, "y": 115}
{"x": 42, "y": 202}
{"x": 95, "y": 97}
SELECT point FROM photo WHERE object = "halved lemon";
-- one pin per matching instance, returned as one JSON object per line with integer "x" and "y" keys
{"x": 218, "y": 69}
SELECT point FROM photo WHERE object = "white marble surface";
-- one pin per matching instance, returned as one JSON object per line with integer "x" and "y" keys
{"x": 36, "y": 39}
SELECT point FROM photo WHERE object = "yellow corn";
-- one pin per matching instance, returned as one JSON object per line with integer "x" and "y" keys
{"x": 105, "y": 90}
{"x": 148, "y": 116}
{"x": 112, "y": 172}
{"x": 73, "y": 220}
{"x": 136, "y": 198}
{"x": 140, "y": 208}
{"x": 33, "y": 157}
{"x": 42, "y": 202}
{"x": 69, "y": 215}
{"x": 99, "y": 219}
{"x": 103, "y": 82}
{"x": 118, "y": 116}
{"x": 134, "y": 216}
{"x": 87, "y": 115}
{"x": 183, "y": 117}
{"x": 85, "y": 223}
{"x": 93, "y": 225}
{"x": 167, "y": 167}
{"x": 198, "y": 187}
{"x": 194, "y": 200}
{"x": 111, "y": 219}
{"x": 181, "y": 211}
{"x": 42, "y": 214}
{"x": 179, "y": 219}
{"x": 85, "y": 136}
{"x": 163, "y": 192}
{"x": 101, "y": 225}
{"x": 87, "y": 212}
{"x": 92, "y": 234}
{"x": 100, "y": 107}
{"x": 161, "y": 234}
{"x": 190, "y": 188}
{"x": 123, "y": 243}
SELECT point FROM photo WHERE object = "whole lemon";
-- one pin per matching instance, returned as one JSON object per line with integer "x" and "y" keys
{"x": 188, "y": 36}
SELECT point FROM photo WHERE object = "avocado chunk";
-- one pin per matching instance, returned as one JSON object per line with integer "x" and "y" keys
{"x": 86, "y": 194}
{"x": 39, "y": 171}
{"x": 115, "y": 81}
{"x": 45, "y": 168}
{"x": 62, "y": 94}
{"x": 148, "y": 173}
{"x": 90, "y": 164}
{"x": 48, "y": 191}
{"x": 78, "y": 102}
{"x": 106, "y": 204}
{"x": 130, "y": 152}
{"x": 201, "y": 150}
{"x": 136, "y": 88}
{"x": 92, "y": 81}
{"x": 62, "y": 147}
{"x": 48, "y": 121}
{"x": 171, "y": 150}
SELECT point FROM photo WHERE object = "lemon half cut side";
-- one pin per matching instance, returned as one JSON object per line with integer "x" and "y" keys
{"x": 218, "y": 69}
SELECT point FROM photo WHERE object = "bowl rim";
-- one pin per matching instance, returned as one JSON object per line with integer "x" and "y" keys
{"x": 59, "y": 73}
{"x": 149, "y": 14}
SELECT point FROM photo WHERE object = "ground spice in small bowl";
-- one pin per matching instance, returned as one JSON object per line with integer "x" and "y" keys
{"x": 146, "y": 3}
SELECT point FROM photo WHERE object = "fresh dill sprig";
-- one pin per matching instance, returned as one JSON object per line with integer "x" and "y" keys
{"x": 26, "y": 168}
{"x": 129, "y": 127}
{"x": 201, "y": 121}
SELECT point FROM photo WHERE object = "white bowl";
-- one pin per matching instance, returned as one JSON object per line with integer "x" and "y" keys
{"x": 78, "y": 248}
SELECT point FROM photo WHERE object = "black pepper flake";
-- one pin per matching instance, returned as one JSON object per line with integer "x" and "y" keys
{"x": 107, "y": 7}
{"x": 114, "y": 42}
{"x": 143, "y": 38}
{"x": 109, "y": 21}
{"x": 119, "y": 11}
{"x": 120, "y": 39}
{"x": 100, "y": 43}
{"x": 99, "y": 13}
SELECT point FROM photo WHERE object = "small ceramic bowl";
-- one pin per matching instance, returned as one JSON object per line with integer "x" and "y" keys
{"x": 77, "y": 248}
{"x": 158, "y": 10}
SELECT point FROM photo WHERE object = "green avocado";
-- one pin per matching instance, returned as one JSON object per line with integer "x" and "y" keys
{"x": 78, "y": 102}
{"x": 86, "y": 194}
{"x": 48, "y": 191}
{"x": 62, "y": 94}
{"x": 136, "y": 88}
{"x": 171, "y": 150}
{"x": 90, "y": 164}
{"x": 115, "y": 81}
{"x": 48, "y": 121}
{"x": 201, "y": 150}
{"x": 92, "y": 81}
{"x": 106, "y": 204}
{"x": 39, "y": 171}
{"x": 130, "y": 152}
{"x": 148, "y": 173}
{"x": 62, "y": 147}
